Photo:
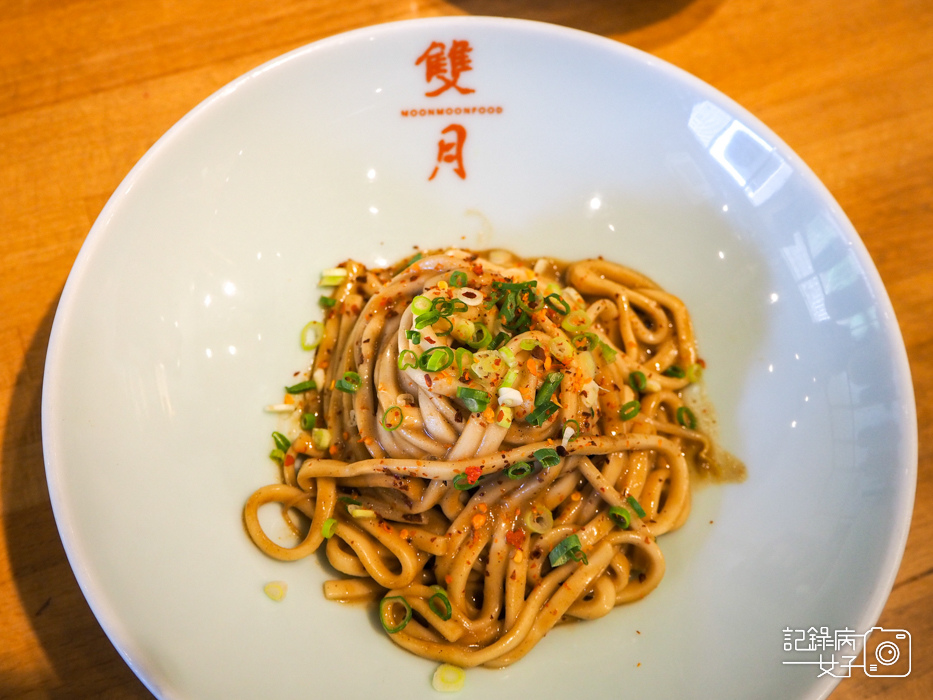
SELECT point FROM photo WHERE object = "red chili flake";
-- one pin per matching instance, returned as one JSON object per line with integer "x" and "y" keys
{"x": 427, "y": 380}
{"x": 290, "y": 460}
{"x": 477, "y": 269}
{"x": 473, "y": 474}
{"x": 701, "y": 362}
{"x": 516, "y": 538}
{"x": 468, "y": 293}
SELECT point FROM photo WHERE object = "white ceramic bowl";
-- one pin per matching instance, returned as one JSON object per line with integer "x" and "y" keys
{"x": 178, "y": 324}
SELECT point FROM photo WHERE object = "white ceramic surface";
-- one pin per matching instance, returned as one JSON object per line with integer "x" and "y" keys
{"x": 179, "y": 322}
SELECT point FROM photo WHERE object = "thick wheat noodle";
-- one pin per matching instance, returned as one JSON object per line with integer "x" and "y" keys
{"x": 486, "y": 551}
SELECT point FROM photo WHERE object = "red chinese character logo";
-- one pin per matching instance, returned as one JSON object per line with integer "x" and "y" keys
{"x": 446, "y": 65}
{"x": 451, "y": 151}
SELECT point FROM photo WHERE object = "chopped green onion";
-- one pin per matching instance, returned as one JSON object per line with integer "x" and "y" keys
{"x": 539, "y": 519}
{"x": 686, "y": 418}
{"x": 565, "y": 550}
{"x": 308, "y": 421}
{"x": 413, "y": 336}
{"x": 504, "y": 416}
{"x": 636, "y": 506}
{"x": 446, "y": 611}
{"x": 694, "y": 372}
{"x": 585, "y": 341}
{"x": 481, "y": 336}
{"x": 311, "y": 335}
{"x": 327, "y": 302}
{"x": 501, "y": 339}
{"x": 350, "y": 382}
{"x": 392, "y": 418}
{"x": 541, "y": 413}
{"x": 332, "y": 277}
{"x": 461, "y": 482}
{"x": 519, "y": 470}
{"x": 436, "y": 359}
{"x": 630, "y": 410}
{"x": 574, "y": 425}
{"x": 547, "y": 456}
{"x": 510, "y": 378}
{"x": 528, "y": 344}
{"x": 420, "y": 305}
{"x": 447, "y": 331}
{"x": 361, "y": 513}
{"x": 277, "y": 455}
{"x": 463, "y": 330}
{"x": 674, "y": 371}
{"x": 428, "y": 318}
{"x": 301, "y": 387}
{"x": 620, "y": 517}
{"x": 320, "y": 438}
{"x": 347, "y": 501}
{"x": 561, "y": 348}
{"x": 408, "y": 263}
{"x": 638, "y": 381}
{"x": 551, "y": 383}
{"x": 576, "y": 321}
{"x": 557, "y": 302}
{"x": 457, "y": 278}
{"x": 475, "y": 400}
{"x": 404, "y": 362}
{"x": 608, "y": 353}
{"x": 529, "y": 301}
{"x": 507, "y": 355}
{"x": 448, "y": 679}
{"x": 281, "y": 442}
{"x": 384, "y": 606}
{"x": 329, "y": 528}
{"x": 459, "y": 355}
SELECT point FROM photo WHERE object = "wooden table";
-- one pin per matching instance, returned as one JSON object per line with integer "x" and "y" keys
{"x": 87, "y": 86}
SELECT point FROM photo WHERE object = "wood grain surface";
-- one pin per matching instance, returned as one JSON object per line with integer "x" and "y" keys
{"x": 87, "y": 86}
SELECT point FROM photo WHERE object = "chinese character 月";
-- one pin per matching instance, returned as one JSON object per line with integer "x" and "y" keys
{"x": 451, "y": 151}
{"x": 446, "y": 65}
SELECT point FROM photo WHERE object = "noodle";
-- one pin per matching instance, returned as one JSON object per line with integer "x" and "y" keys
{"x": 490, "y": 448}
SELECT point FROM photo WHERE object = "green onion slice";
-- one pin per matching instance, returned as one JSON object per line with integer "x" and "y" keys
{"x": 686, "y": 418}
{"x": 458, "y": 279}
{"x": 350, "y": 382}
{"x": 461, "y": 482}
{"x": 630, "y": 410}
{"x": 608, "y": 353}
{"x": 428, "y": 318}
{"x": 277, "y": 455}
{"x": 694, "y": 372}
{"x": 475, "y": 400}
{"x": 420, "y": 305}
{"x": 551, "y": 383}
{"x": 539, "y": 519}
{"x": 311, "y": 335}
{"x": 481, "y": 336}
{"x": 638, "y": 381}
{"x": 459, "y": 355}
{"x": 329, "y": 528}
{"x": 636, "y": 506}
{"x": 558, "y": 303}
{"x": 327, "y": 302}
{"x": 436, "y": 359}
{"x": 547, "y": 456}
{"x": 519, "y": 470}
{"x": 281, "y": 442}
{"x": 541, "y": 413}
{"x": 620, "y": 517}
{"x": 445, "y": 610}
{"x": 301, "y": 387}
{"x": 308, "y": 421}
{"x": 576, "y": 321}
{"x": 585, "y": 341}
{"x": 565, "y": 550}
{"x": 392, "y": 418}
{"x": 674, "y": 371}
{"x": 384, "y": 609}
{"x": 413, "y": 336}
{"x": 404, "y": 362}
{"x": 501, "y": 339}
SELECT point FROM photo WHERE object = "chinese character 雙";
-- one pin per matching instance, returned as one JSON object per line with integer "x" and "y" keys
{"x": 446, "y": 65}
